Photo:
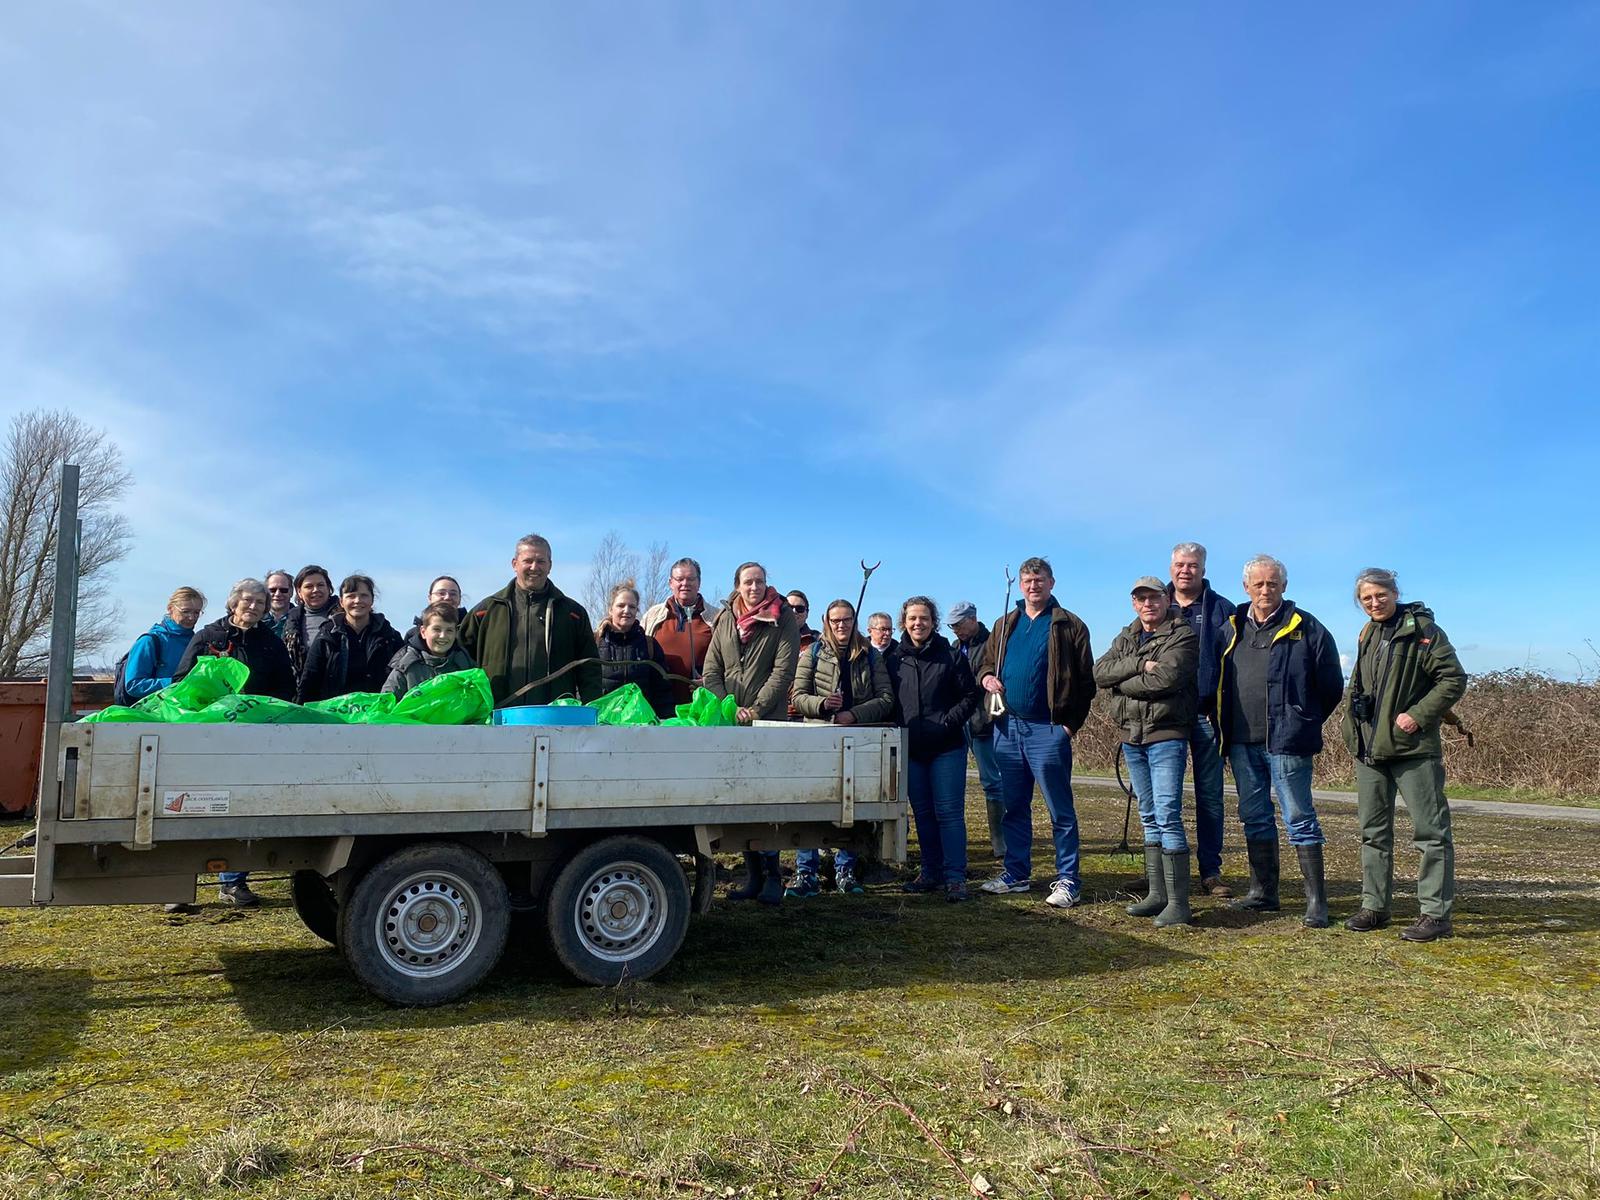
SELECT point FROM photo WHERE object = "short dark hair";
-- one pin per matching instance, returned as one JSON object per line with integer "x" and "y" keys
{"x": 933, "y": 610}
{"x": 803, "y": 597}
{"x": 685, "y": 562}
{"x": 307, "y": 571}
{"x": 351, "y": 583}
{"x": 448, "y": 613}
{"x": 436, "y": 579}
{"x": 1035, "y": 566}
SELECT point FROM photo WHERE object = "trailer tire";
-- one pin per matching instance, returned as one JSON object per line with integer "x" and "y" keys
{"x": 316, "y": 905}
{"x": 426, "y": 924}
{"x": 618, "y": 910}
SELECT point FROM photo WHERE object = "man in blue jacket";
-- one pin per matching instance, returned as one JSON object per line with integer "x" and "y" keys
{"x": 1280, "y": 679}
{"x": 157, "y": 652}
{"x": 1211, "y": 618}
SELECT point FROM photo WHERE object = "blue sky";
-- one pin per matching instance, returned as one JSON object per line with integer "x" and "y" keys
{"x": 387, "y": 285}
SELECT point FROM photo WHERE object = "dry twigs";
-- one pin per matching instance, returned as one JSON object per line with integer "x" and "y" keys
{"x": 357, "y": 1162}
{"x": 886, "y": 1102}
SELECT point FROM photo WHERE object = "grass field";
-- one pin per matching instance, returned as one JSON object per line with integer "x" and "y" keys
{"x": 881, "y": 1046}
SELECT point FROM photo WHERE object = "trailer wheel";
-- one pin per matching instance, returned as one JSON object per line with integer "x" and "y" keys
{"x": 618, "y": 910}
{"x": 426, "y": 924}
{"x": 316, "y": 905}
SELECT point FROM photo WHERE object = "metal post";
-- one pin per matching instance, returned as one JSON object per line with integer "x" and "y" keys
{"x": 58, "y": 681}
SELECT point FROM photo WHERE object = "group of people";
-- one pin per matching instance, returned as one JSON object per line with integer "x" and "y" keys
{"x": 1193, "y": 680}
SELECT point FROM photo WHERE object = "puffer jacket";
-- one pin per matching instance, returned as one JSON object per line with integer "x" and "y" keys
{"x": 257, "y": 648}
{"x": 937, "y": 694}
{"x": 341, "y": 661}
{"x": 1304, "y": 683}
{"x": 1414, "y": 671}
{"x": 817, "y": 678}
{"x": 415, "y": 663}
{"x": 626, "y": 657}
{"x": 1152, "y": 706}
{"x": 757, "y": 673}
{"x": 980, "y": 724}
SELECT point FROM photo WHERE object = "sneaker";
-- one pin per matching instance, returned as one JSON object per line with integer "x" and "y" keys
{"x": 187, "y": 910}
{"x": 920, "y": 884}
{"x": 1063, "y": 894}
{"x": 956, "y": 892}
{"x": 1366, "y": 920}
{"x": 1428, "y": 929}
{"x": 239, "y": 895}
{"x": 802, "y": 885}
{"x": 1003, "y": 883}
{"x": 848, "y": 884}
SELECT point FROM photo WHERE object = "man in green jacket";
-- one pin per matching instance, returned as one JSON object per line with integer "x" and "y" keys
{"x": 529, "y": 630}
{"x": 1406, "y": 678}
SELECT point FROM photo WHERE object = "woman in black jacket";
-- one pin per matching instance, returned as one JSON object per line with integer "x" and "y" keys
{"x": 937, "y": 694}
{"x": 353, "y": 652}
{"x": 241, "y": 635}
{"x": 626, "y": 652}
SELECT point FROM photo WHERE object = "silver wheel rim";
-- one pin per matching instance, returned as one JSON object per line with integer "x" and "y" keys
{"x": 620, "y": 911}
{"x": 429, "y": 924}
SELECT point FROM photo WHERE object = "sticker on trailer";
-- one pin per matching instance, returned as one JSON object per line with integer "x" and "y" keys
{"x": 195, "y": 804}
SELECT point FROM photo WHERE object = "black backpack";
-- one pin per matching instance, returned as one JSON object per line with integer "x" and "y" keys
{"x": 119, "y": 689}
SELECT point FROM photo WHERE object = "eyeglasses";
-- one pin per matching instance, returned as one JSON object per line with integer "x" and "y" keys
{"x": 279, "y": 591}
{"x": 800, "y": 608}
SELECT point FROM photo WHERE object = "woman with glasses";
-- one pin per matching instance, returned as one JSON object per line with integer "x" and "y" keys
{"x": 353, "y": 652}
{"x": 157, "y": 652}
{"x": 241, "y": 635}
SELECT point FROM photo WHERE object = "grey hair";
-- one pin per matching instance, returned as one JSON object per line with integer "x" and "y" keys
{"x": 1193, "y": 548}
{"x": 289, "y": 575}
{"x": 1387, "y": 580}
{"x": 1266, "y": 560}
{"x": 685, "y": 562}
{"x": 533, "y": 541}
{"x": 243, "y": 586}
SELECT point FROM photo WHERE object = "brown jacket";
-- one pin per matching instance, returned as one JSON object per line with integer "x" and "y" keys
{"x": 817, "y": 678}
{"x": 1069, "y": 675}
{"x": 759, "y": 673}
{"x": 1152, "y": 706}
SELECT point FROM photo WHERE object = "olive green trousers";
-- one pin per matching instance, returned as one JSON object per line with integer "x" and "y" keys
{"x": 1421, "y": 782}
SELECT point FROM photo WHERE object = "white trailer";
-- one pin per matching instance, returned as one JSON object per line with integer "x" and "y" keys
{"x": 411, "y": 846}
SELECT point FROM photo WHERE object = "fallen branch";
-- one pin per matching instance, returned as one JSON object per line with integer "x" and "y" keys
{"x": 880, "y": 1104}
{"x": 34, "y": 1146}
{"x": 1410, "y": 1087}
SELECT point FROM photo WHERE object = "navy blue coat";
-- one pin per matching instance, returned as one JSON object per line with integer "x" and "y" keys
{"x": 1305, "y": 682}
{"x": 1215, "y": 632}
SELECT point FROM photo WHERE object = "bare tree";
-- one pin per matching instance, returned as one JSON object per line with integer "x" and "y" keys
{"x": 612, "y": 563}
{"x": 30, "y": 486}
{"x": 654, "y": 576}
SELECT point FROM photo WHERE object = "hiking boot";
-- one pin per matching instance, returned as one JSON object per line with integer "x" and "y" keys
{"x": 1064, "y": 894}
{"x": 1175, "y": 867}
{"x": 1156, "y": 898}
{"x": 920, "y": 884}
{"x": 771, "y": 887}
{"x": 1428, "y": 929}
{"x": 1263, "y": 893}
{"x": 239, "y": 895}
{"x": 1366, "y": 920}
{"x": 755, "y": 875}
{"x": 1212, "y": 885}
{"x": 1003, "y": 883}
{"x": 848, "y": 884}
{"x": 956, "y": 892}
{"x": 187, "y": 910}
{"x": 802, "y": 885}
{"x": 1316, "y": 886}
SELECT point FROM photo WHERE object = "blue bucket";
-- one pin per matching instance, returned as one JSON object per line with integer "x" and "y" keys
{"x": 547, "y": 714}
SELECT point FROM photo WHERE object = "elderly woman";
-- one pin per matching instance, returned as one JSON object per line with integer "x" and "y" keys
{"x": 937, "y": 696}
{"x": 355, "y": 648}
{"x": 843, "y": 680}
{"x": 752, "y": 655}
{"x": 312, "y": 610}
{"x": 156, "y": 653}
{"x": 1150, "y": 673}
{"x": 628, "y": 655}
{"x": 241, "y": 635}
{"x": 1405, "y": 680}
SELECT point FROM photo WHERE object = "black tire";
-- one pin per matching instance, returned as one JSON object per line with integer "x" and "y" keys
{"x": 426, "y": 924}
{"x": 314, "y": 901}
{"x": 618, "y": 910}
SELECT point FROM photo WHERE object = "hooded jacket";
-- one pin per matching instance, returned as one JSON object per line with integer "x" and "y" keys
{"x": 257, "y": 648}
{"x": 154, "y": 657}
{"x": 757, "y": 673}
{"x": 1415, "y": 671}
{"x": 626, "y": 657}
{"x": 1069, "y": 671}
{"x": 937, "y": 695}
{"x": 414, "y": 663}
{"x": 1151, "y": 706}
{"x": 817, "y": 677}
{"x": 569, "y": 638}
{"x": 342, "y": 661}
{"x": 1304, "y": 682}
{"x": 1215, "y": 631}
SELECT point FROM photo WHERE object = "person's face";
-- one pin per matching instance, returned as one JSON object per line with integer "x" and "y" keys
{"x": 280, "y": 592}
{"x": 919, "y": 623}
{"x": 445, "y": 591}
{"x": 185, "y": 613}
{"x": 752, "y": 585}
{"x": 965, "y": 627}
{"x": 438, "y": 635}
{"x": 357, "y": 605}
{"x": 532, "y": 568}
{"x": 841, "y": 622}
{"x": 1187, "y": 572}
{"x": 1036, "y": 588}
{"x": 684, "y": 584}
{"x": 1377, "y": 601}
{"x": 624, "y": 611}
{"x": 1150, "y": 607}
{"x": 1265, "y": 588}
{"x": 801, "y": 609}
{"x": 315, "y": 590}
{"x": 880, "y": 631}
{"x": 248, "y": 610}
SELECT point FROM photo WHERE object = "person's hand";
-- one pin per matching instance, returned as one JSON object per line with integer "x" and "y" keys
{"x": 992, "y": 685}
{"x": 845, "y": 718}
{"x": 745, "y": 716}
{"x": 1406, "y": 723}
{"x": 1150, "y": 665}
{"x": 834, "y": 702}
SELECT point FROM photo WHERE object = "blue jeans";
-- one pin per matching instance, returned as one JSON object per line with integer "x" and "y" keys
{"x": 1156, "y": 771}
{"x": 993, "y": 795}
{"x": 1029, "y": 752}
{"x": 809, "y": 862}
{"x": 939, "y": 804}
{"x": 1289, "y": 776}
{"x": 224, "y": 878}
{"x": 1208, "y": 810}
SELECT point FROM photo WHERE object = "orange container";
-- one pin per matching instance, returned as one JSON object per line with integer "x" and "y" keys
{"x": 22, "y": 733}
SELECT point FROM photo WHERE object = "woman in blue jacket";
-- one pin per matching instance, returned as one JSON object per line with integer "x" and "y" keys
{"x": 157, "y": 652}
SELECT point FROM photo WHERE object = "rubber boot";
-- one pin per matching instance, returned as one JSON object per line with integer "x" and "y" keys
{"x": 1156, "y": 900}
{"x": 1175, "y": 867}
{"x": 772, "y": 889}
{"x": 1263, "y": 893}
{"x": 755, "y": 873}
{"x": 1316, "y": 887}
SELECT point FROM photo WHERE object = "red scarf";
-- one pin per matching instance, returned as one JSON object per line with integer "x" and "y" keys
{"x": 768, "y": 611}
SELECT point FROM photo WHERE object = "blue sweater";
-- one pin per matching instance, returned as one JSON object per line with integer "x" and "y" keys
{"x": 1027, "y": 663}
{"x": 154, "y": 657}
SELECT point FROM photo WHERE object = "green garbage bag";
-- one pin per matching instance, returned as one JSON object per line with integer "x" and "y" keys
{"x": 454, "y": 698}
{"x": 625, "y": 706}
{"x": 706, "y": 711}
{"x": 211, "y": 678}
{"x": 261, "y": 710}
{"x": 355, "y": 708}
